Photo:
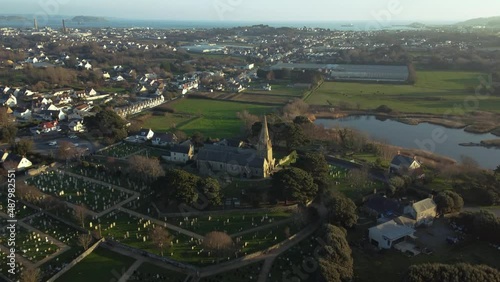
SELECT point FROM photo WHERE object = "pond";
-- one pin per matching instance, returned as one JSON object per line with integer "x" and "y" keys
{"x": 434, "y": 138}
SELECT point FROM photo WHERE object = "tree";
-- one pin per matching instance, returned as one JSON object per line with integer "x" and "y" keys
{"x": 66, "y": 150}
{"x": 23, "y": 147}
{"x": 144, "y": 168}
{"x": 161, "y": 238}
{"x": 294, "y": 184}
{"x": 248, "y": 120}
{"x": 335, "y": 259}
{"x": 30, "y": 274}
{"x": 210, "y": 187}
{"x": 184, "y": 185}
{"x": 317, "y": 166}
{"x": 396, "y": 184}
{"x": 84, "y": 241}
{"x": 80, "y": 215}
{"x": 448, "y": 202}
{"x": 5, "y": 118}
{"x": 430, "y": 272}
{"x": 218, "y": 242}
{"x": 197, "y": 139}
{"x": 301, "y": 120}
{"x": 9, "y": 133}
{"x": 341, "y": 210}
{"x": 108, "y": 125}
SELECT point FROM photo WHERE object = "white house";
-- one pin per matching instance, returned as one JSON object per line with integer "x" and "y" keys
{"x": 106, "y": 75}
{"x": 119, "y": 78}
{"x": 22, "y": 113}
{"x": 144, "y": 134}
{"x": 180, "y": 154}
{"x": 11, "y": 101}
{"x": 388, "y": 234}
{"x": 422, "y": 212}
{"x": 401, "y": 164}
{"x": 87, "y": 66}
{"x": 11, "y": 161}
{"x": 76, "y": 126}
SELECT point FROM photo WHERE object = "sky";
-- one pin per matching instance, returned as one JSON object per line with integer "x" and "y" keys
{"x": 262, "y": 10}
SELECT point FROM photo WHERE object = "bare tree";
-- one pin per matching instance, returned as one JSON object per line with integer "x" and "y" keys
{"x": 296, "y": 108}
{"x": 218, "y": 242}
{"x": 144, "y": 168}
{"x": 248, "y": 120}
{"x": 80, "y": 215}
{"x": 84, "y": 240}
{"x": 31, "y": 275}
{"x": 161, "y": 238}
{"x": 66, "y": 150}
{"x": 28, "y": 193}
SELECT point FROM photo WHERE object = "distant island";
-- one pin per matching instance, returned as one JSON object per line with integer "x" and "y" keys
{"x": 87, "y": 19}
{"x": 13, "y": 19}
{"x": 491, "y": 22}
{"x": 417, "y": 25}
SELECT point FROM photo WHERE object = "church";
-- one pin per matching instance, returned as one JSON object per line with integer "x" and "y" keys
{"x": 239, "y": 162}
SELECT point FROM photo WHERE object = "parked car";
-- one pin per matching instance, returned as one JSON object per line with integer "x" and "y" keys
{"x": 52, "y": 143}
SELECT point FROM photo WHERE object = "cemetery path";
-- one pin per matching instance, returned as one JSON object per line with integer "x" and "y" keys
{"x": 264, "y": 273}
{"x": 133, "y": 194}
{"x": 276, "y": 223}
{"x": 126, "y": 276}
{"x": 271, "y": 252}
{"x": 162, "y": 223}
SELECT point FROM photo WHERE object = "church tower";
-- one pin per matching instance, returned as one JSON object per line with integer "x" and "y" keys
{"x": 264, "y": 146}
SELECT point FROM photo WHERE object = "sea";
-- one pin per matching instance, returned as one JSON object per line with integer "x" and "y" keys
{"x": 55, "y": 22}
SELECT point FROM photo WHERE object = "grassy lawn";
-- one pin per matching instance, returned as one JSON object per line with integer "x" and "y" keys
{"x": 263, "y": 98}
{"x": 162, "y": 124}
{"x": 101, "y": 265}
{"x": 152, "y": 273}
{"x": 217, "y": 118}
{"x": 435, "y": 92}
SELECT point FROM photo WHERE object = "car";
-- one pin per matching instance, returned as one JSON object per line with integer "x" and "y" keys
{"x": 52, "y": 143}
{"x": 73, "y": 137}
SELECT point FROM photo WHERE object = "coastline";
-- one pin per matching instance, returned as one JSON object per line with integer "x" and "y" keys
{"x": 495, "y": 143}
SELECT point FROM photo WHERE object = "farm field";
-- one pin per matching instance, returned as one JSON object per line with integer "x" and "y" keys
{"x": 435, "y": 92}
{"x": 100, "y": 265}
{"x": 217, "y": 118}
{"x": 262, "y": 98}
{"x": 282, "y": 90}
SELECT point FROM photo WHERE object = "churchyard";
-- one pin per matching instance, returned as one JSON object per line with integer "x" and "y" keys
{"x": 121, "y": 150}
{"x": 295, "y": 256}
{"x": 151, "y": 273}
{"x": 353, "y": 184}
{"x": 229, "y": 223}
{"x": 33, "y": 246}
{"x": 79, "y": 191}
{"x": 248, "y": 273}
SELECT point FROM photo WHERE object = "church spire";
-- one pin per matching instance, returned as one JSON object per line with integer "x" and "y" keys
{"x": 264, "y": 146}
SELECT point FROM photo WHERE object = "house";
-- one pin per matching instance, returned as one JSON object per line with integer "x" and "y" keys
{"x": 11, "y": 101}
{"x": 144, "y": 135}
{"x": 22, "y": 113}
{"x": 76, "y": 126}
{"x": 119, "y": 78}
{"x": 401, "y": 164}
{"x": 382, "y": 207}
{"x": 422, "y": 212}
{"x": 389, "y": 234}
{"x": 106, "y": 75}
{"x": 165, "y": 139}
{"x": 18, "y": 163}
{"x": 47, "y": 127}
{"x": 87, "y": 66}
{"x": 180, "y": 154}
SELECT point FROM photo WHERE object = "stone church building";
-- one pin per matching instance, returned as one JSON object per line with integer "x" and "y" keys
{"x": 239, "y": 162}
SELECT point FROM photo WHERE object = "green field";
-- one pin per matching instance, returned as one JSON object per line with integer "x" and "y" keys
{"x": 217, "y": 118}
{"x": 101, "y": 265}
{"x": 435, "y": 92}
{"x": 162, "y": 124}
{"x": 282, "y": 90}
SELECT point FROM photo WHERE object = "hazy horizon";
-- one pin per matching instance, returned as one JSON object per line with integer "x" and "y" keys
{"x": 260, "y": 10}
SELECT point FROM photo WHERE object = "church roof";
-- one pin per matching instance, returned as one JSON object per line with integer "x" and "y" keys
{"x": 231, "y": 155}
